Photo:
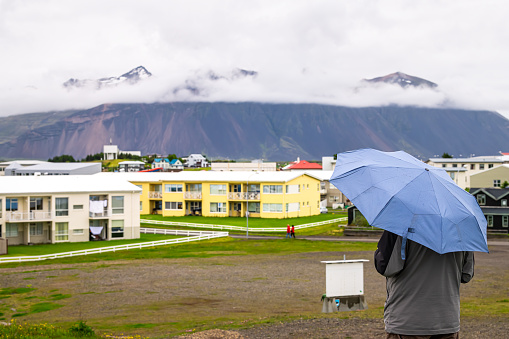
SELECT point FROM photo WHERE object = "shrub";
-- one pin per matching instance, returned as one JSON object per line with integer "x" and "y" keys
{"x": 81, "y": 329}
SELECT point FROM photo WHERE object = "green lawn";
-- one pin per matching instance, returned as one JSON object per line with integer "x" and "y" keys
{"x": 253, "y": 222}
{"x": 23, "y": 250}
{"x": 213, "y": 248}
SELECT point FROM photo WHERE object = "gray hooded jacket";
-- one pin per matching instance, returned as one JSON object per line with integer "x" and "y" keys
{"x": 423, "y": 291}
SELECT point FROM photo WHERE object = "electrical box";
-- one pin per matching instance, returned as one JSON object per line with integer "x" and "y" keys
{"x": 344, "y": 277}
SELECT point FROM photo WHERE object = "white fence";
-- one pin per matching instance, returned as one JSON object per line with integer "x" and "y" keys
{"x": 191, "y": 236}
{"x": 241, "y": 228}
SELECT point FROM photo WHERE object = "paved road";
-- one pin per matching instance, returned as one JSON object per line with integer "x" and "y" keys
{"x": 494, "y": 242}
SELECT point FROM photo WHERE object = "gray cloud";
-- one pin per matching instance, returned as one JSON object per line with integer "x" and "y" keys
{"x": 304, "y": 51}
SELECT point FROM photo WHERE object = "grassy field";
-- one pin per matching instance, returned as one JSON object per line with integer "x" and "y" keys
{"x": 23, "y": 250}
{"x": 253, "y": 222}
{"x": 240, "y": 284}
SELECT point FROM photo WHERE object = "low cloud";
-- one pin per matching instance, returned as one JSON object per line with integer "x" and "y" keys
{"x": 304, "y": 52}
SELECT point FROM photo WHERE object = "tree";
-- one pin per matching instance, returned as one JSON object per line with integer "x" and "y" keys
{"x": 446, "y": 155}
{"x": 504, "y": 184}
{"x": 62, "y": 158}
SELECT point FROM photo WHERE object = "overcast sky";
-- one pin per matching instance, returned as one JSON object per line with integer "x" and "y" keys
{"x": 304, "y": 51}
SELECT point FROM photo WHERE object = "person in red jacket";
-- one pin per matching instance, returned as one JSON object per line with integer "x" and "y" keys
{"x": 293, "y": 232}
{"x": 288, "y": 234}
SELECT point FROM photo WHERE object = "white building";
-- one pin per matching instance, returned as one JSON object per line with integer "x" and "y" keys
{"x": 51, "y": 209}
{"x": 111, "y": 152}
{"x": 196, "y": 160}
{"x": 20, "y": 163}
{"x": 55, "y": 168}
{"x": 244, "y": 166}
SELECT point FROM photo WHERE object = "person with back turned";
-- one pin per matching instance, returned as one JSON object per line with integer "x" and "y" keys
{"x": 423, "y": 288}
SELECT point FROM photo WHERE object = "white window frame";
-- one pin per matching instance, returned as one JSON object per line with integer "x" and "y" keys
{"x": 253, "y": 207}
{"x": 59, "y": 211}
{"x": 63, "y": 233}
{"x": 173, "y": 205}
{"x": 489, "y": 219}
{"x": 505, "y": 221}
{"x": 119, "y": 231}
{"x": 114, "y": 201}
{"x": 292, "y": 189}
{"x": 9, "y": 202}
{"x": 293, "y": 207}
{"x": 217, "y": 207}
{"x": 496, "y": 182}
{"x": 272, "y": 189}
{"x": 218, "y": 189}
{"x": 11, "y": 230}
{"x": 173, "y": 188}
{"x": 481, "y": 199}
{"x": 272, "y": 208}
{"x": 503, "y": 202}
{"x": 36, "y": 228}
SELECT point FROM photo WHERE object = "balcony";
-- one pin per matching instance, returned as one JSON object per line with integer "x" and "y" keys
{"x": 244, "y": 196}
{"x": 155, "y": 195}
{"x": 103, "y": 214}
{"x": 28, "y": 216}
{"x": 192, "y": 195}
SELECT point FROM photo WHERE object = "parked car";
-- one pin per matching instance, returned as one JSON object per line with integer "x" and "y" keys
{"x": 324, "y": 210}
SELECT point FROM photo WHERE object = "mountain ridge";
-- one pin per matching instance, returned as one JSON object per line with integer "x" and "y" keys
{"x": 252, "y": 130}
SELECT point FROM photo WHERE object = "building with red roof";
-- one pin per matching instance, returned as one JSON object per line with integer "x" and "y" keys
{"x": 302, "y": 165}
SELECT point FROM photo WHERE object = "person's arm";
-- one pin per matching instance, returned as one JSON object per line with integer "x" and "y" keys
{"x": 388, "y": 261}
{"x": 467, "y": 272}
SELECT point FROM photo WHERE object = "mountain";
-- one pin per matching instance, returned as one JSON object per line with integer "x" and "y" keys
{"x": 256, "y": 130}
{"x": 402, "y": 79}
{"x": 132, "y": 77}
{"x": 197, "y": 85}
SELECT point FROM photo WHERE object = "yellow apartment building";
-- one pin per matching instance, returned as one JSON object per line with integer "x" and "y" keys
{"x": 227, "y": 194}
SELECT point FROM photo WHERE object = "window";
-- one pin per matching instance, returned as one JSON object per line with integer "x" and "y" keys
{"x": 36, "y": 228}
{"x": 293, "y": 207}
{"x": 78, "y": 231}
{"x": 157, "y": 188}
{"x": 236, "y": 188}
{"x": 481, "y": 199}
{"x": 11, "y": 204}
{"x": 490, "y": 165}
{"x": 218, "y": 189}
{"x": 496, "y": 183}
{"x": 444, "y": 165}
{"x": 141, "y": 205}
{"x": 35, "y": 204}
{"x": 333, "y": 198}
{"x": 61, "y": 207}
{"x": 172, "y": 188}
{"x": 61, "y": 231}
{"x": 117, "y": 204}
{"x": 452, "y": 175}
{"x": 77, "y": 207}
{"x": 217, "y": 207}
{"x": 489, "y": 218}
{"x": 11, "y": 230}
{"x": 472, "y": 166}
{"x": 505, "y": 221}
{"x": 117, "y": 228}
{"x": 454, "y": 165}
{"x": 292, "y": 189}
{"x": 481, "y": 166}
{"x": 503, "y": 202}
{"x": 253, "y": 207}
{"x": 193, "y": 187}
{"x": 273, "y": 189}
{"x": 172, "y": 205}
{"x": 273, "y": 208}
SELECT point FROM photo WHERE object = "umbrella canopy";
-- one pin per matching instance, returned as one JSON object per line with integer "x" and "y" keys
{"x": 401, "y": 194}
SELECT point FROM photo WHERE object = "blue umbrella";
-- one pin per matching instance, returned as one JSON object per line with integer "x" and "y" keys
{"x": 396, "y": 192}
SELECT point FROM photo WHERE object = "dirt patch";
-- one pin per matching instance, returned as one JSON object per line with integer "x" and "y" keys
{"x": 164, "y": 297}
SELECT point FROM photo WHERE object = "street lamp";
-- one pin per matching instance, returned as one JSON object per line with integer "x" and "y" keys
{"x": 247, "y": 205}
